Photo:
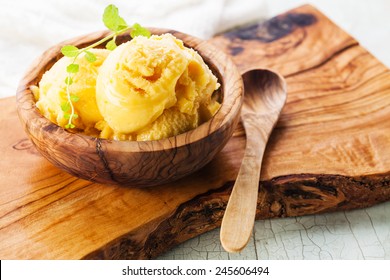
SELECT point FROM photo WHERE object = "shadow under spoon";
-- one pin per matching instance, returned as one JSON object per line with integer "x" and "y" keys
{"x": 265, "y": 96}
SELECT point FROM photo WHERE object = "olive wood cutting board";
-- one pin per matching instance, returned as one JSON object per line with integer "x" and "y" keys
{"x": 330, "y": 151}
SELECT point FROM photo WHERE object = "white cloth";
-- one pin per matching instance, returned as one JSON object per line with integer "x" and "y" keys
{"x": 29, "y": 27}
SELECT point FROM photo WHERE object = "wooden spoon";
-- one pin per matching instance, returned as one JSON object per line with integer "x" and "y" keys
{"x": 265, "y": 95}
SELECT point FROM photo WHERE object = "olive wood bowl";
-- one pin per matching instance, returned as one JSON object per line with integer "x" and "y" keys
{"x": 132, "y": 163}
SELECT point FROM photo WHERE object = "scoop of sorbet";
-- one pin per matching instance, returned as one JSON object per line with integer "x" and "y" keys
{"x": 52, "y": 91}
{"x": 152, "y": 88}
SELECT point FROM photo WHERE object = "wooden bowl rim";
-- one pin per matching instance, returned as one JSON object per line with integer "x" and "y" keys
{"x": 229, "y": 78}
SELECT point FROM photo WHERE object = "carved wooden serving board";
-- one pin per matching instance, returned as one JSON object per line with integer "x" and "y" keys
{"x": 330, "y": 151}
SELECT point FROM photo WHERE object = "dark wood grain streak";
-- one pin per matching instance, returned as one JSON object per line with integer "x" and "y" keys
{"x": 289, "y": 43}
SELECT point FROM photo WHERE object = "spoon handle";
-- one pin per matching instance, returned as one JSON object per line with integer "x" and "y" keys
{"x": 239, "y": 217}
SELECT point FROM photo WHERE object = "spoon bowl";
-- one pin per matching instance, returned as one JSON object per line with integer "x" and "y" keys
{"x": 265, "y": 96}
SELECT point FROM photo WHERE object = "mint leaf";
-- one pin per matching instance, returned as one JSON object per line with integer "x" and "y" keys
{"x": 112, "y": 20}
{"x": 90, "y": 57}
{"x": 138, "y": 30}
{"x": 68, "y": 81}
{"x": 70, "y": 51}
{"x": 72, "y": 68}
{"x": 74, "y": 98}
{"x": 110, "y": 17}
{"x": 122, "y": 24}
{"x": 66, "y": 116}
{"x": 111, "y": 45}
{"x": 65, "y": 106}
{"x": 70, "y": 125}
{"x": 75, "y": 116}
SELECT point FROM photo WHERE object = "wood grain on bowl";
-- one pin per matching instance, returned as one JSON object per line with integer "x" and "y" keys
{"x": 131, "y": 163}
{"x": 329, "y": 152}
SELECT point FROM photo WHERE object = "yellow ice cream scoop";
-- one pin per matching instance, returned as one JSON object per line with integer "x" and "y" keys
{"x": 52, "y": 91}
{"x": 144, "y": 77}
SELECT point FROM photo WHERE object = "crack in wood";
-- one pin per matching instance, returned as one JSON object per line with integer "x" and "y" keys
{"x": 100, "y": 152}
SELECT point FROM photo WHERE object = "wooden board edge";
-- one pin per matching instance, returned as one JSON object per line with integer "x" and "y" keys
{"x": 284, "y": 196}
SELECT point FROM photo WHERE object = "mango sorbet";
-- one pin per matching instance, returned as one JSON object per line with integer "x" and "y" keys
{"x": 146, "y": 89}
{"x": 52, "y": 91}
{"x": 153, "y": 88}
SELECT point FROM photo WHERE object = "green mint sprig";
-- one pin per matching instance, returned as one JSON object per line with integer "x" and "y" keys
{"x": 114, "y": 22}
